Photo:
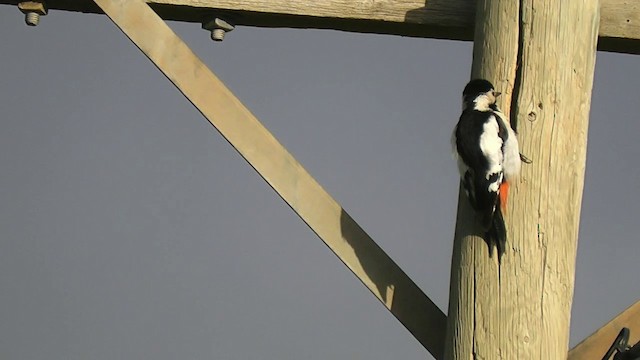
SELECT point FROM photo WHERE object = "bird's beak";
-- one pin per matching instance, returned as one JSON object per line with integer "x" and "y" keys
{"x": 497, "y": 93}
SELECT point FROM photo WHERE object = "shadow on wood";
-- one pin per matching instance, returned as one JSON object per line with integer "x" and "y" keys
{"x": 395, "y": 289}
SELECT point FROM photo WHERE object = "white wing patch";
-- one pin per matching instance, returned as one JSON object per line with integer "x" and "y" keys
{"x": 491, "y": 147}
{"x": 512, "y": 162}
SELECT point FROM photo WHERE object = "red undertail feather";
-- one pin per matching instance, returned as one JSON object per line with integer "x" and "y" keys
{"x": 503, "y": 193}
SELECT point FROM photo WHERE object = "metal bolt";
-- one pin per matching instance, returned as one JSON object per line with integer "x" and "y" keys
{"x": 32, "y": 11}
{"x": 217, "y": 35}
{"x": 218, "y": 28}
{"x": 32, "y": 18}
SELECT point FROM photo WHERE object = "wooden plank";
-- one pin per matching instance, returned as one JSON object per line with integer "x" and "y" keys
{"x": 450, "y": 19}
{"x": 596, "y": 345}
{"x": 283, "y": 172}
{"x": 542, "y": 54}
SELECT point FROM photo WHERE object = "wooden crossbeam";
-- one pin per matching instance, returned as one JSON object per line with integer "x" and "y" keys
{"x": 445, "y": 19}
{"x": 281, "y": 170}
{"x": 596, "y": 345}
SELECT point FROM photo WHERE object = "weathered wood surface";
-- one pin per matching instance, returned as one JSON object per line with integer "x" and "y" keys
{"x": 447, "y": 19}
{"x": 521, "y": 308}
{"x": 281, "y": 171}
{"x": 596, "y": 345}
{"x": 473, "y": 331}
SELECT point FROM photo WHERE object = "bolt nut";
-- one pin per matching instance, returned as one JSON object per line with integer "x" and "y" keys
{"x": 32, "y": 11}
{"x": 218, "y": 28}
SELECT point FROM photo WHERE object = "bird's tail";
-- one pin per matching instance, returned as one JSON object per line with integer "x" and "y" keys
{"x": 496, "y": 235}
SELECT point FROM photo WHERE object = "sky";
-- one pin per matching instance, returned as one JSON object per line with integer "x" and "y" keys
{"x": 130, "y": 229}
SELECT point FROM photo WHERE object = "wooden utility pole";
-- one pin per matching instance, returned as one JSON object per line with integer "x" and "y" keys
{"x": 542, "y": 55}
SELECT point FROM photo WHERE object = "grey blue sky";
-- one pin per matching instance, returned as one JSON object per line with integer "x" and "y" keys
{"x": 130, "y": 229}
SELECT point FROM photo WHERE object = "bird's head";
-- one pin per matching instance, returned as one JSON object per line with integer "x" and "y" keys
{"x": 479, "y": 94}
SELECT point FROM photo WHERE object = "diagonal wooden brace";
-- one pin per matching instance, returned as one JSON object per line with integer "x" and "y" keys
{"x": 595, "y": 346}
{"x": 281, "y": 170}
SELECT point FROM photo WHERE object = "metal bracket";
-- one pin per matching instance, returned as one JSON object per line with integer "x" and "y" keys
{"x": 621, "y": 348}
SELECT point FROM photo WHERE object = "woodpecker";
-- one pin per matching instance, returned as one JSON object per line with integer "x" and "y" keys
{"x": 486, "y": 150}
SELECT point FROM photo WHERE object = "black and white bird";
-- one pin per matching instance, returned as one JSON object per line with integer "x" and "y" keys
{"x": 486, "y": 149}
